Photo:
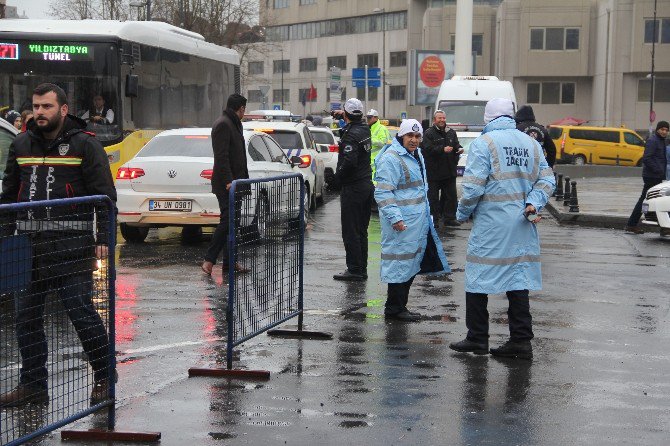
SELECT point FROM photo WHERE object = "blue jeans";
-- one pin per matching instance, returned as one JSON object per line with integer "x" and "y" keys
{"x": 74, "y": 292}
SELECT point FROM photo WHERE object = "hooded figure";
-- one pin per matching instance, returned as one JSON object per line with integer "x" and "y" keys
{"x": 507, "y": 181}
{"x": 525, "y": 121}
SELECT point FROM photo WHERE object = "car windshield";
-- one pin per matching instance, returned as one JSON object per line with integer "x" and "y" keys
{"x": 178, "y": 145}
{"x": 323, "y": 137}
{"x": 464, "y": 112}
{"x": 287, "y": 140}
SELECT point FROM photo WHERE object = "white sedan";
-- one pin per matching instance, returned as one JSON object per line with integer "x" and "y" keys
{"x": 465, "y": 139}
{"x": 328, "y": 150}
{"x": 656, "y": 207}
{"x": 168, "y": 183}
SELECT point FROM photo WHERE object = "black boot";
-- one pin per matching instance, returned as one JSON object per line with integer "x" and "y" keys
{"x": 468, "y": 346}
{"x": 349, "y": 276}
{"x": 510, "y": 349}
{"x": 24, "y": 394}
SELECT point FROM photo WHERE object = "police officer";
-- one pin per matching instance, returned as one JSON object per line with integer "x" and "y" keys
{"x": 55, "y": 159}
{"x": 525, "y": 121}
{"x": 353, "y": 173}
{"x": 379, "y": 134}
{"x": 506, "y": 182}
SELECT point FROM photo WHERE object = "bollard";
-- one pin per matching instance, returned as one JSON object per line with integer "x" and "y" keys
{"x": 566, "y": 192}
{"x": 555, "y": 182}
{"x": 574, "y": 202}
{"x": 559, "y": 187}
{"x": 591, "y": 158}
{"x": 617, "y": 159}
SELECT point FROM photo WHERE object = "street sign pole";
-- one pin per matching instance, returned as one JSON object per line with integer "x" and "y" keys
{"x": 366, "y": 91}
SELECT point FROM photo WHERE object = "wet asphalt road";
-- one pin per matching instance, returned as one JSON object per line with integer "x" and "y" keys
{"x": 599, "y": 376}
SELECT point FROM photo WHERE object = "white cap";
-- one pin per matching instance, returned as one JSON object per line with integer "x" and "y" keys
{"x": 498, "y": 107}
{"x": 354, "y": 107}
{"x": 410, "y": 126}
{"x": 373, "y": 112}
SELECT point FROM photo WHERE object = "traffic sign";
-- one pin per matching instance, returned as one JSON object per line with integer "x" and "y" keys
{"x": 403, "y": 115}
{"x": 374, "y": 77}
{"x": 276, "y": 107}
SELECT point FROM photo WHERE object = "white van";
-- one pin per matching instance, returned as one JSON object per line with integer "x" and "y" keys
{"x": 463, "y": 99}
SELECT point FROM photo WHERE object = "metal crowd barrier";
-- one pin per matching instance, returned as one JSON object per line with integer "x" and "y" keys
{"x": 56, "y": 315}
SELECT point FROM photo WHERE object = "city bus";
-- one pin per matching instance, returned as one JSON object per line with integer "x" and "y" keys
{"x": 152, "y": 75}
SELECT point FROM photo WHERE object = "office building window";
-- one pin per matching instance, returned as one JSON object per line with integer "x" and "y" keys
{"x": 307, "y": 2}
{"x": 554, "y": 39}
{"x": 308, "y": 64}
{"x": 550, "y": 92}
{"x": 255, "y": 67}
{"x": 661, "y": 90}
{"x": 254, "y": 96}
{"x": 372, "y": 93}
{"x": 281, "y": 66}
{"x": 662, "y": 34}
{"x": 277, "y": 95}
{"x": 278, "y": 4}
{"x": 397, "y": 92}
{"x": 371, "y": 60}
{"x": 337, "y": 61}
{"x": 477, "y": 43}
{"x": 398, "y": 58}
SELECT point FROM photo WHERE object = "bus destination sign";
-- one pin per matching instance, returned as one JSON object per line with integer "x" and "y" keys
{"x": 9, "y": 51}
{"x": 61, "y": 52}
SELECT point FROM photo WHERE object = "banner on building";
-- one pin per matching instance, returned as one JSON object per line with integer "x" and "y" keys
{"x": 428, "y": 68}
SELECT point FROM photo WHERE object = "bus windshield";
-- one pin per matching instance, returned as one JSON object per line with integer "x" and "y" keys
{"x": 87, "y": 71}
{"x": 465, "y": 113}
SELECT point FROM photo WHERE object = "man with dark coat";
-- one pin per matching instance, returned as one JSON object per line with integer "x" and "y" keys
{"x": 441, "y": 149}
{"x": 230, "y": 163}
{"x": 653, "y": 171}
{"x": 525, "y": 121}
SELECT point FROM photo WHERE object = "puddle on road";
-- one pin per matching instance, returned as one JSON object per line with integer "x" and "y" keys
{"x": 353, "y": 423}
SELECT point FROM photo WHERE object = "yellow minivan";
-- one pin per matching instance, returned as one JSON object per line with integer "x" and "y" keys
{"x": 597, "y": 145}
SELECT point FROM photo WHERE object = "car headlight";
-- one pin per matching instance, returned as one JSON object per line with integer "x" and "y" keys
{"x": 665, "y": 191}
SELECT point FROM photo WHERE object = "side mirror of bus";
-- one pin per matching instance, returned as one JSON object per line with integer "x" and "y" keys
{"x": 132, "y": 85}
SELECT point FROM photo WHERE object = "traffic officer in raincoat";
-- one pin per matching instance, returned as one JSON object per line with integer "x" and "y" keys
{"x": 379, "y": 134}
{"x": 506, "y": 183}
{"x": 410, "y": 245}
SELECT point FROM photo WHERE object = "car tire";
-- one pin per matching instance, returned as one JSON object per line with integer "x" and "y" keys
{"x": 191, "y": 234}
{"x": 134, "y": 234}
{"x": 580, "y": 160}
{"x": 312, "y": 201}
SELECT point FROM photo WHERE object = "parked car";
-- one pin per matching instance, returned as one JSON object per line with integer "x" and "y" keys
{"x": 296, "y": 140}
{"x": 7, "y": 134}
{"x": 328, "y": 150}
{"x": 656, "y": 207}
{"x": 168, "y": 183}
{"x": 465, "y": 138}
{"x": 597, "y": 145}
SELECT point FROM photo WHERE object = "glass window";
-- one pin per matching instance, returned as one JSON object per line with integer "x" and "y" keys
{"x": 254, "y": 96}
{"x": 533, "y": 93}
{"x": 337, "y": 61}
{"x": 478, "y": 43}
{"x": 651, "y": 33}
{"x": 397, "y": 93}
{"x": 277, "y": 95}
{"x": 277, "y": 154}
{"x": 257, "y": 150}
{"x": 281, "y": 66}
{"x": 277, "y": 4}
{"x": 595, "y": 135}
{"x": 665, "y": 31}
{"x": 322, "y": 137}
{"x": 633, "y": 139}
{"x": 661, "y": 90}
{"x": 572, "y": 39}
{"x": 370, "y": 59}
{"x": 288, "y": 140}
{"x": 178, "y": 145}
{"x": 308, "y": 64}
{"x": 398, "y": 58}
{"x": 255, "y": 67}
{"x": 452, "y": 42}
{"x": 536, "y": 39}
{"x": 307, "y": 2}
{"x": 308, "y": 138}
{"x": 555, "y": 39}
{"x": 568, "y": 93}
{"x": 554, "y": 132}
{"x": 551, "y": 92}
{"x": 372, "y": 93}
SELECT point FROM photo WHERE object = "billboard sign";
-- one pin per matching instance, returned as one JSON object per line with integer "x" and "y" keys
{"x": 428, "y": 68}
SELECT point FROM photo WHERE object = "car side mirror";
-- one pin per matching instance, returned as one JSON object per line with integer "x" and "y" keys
{"x": 132, "y": 85}
{"x": 295, "y": 161}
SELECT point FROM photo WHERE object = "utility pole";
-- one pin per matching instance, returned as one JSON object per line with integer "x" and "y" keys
{"x": 652, "y": 118}
{"x": 282, "y": 78}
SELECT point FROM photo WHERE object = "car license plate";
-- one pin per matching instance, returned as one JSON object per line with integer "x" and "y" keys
{"x": 645, "y": 208}
{"x": 170, "y": 205}
{"x": 460, "y": 171}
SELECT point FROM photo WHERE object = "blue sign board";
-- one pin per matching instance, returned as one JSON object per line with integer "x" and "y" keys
{"x": 374, "y": 77}
{"x": 276, "y": 107}
{"x": 403, "y": 115}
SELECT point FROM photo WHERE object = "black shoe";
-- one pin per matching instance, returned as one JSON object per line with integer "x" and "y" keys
{"x": 511, "y": 349}
{"x": 468, "y": 346}
{"x": 403, "y": 316}
{"x": 349, "y": 276}
{"x": 412, "y": 312}
{"x": 24, "y": 394}
{"x": 100, "y": 391}
{"x": 451, "y": 223}
{"x": 634, "y": 229}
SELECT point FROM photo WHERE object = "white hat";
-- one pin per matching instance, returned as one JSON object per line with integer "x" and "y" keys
{"x": 409, "y": 126}
{"x": 373, "y": 112}
{"x": 498, "y": 107}
{"x": 354, "y": 107}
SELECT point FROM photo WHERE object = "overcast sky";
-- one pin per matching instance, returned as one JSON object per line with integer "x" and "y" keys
{"x": 35, "y": 9}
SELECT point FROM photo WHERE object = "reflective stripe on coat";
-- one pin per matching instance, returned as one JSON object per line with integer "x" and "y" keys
{"x": 401, "y": 194}
{"x": 506, "y": 169}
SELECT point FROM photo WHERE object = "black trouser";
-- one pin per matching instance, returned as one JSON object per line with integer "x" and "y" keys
{"x": 637, "y": 210}
{"x": 397, "y": 296}
{"x": 443, "y": 199}
{"x": 220, "y": 236}
{"x": 518, "y": 314}
{"x": 355, "y": 202}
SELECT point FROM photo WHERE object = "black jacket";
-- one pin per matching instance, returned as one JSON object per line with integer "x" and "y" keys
{"x": 654, "y": 159}
{"x": 440, "y": 165}
{"x": 353, "y": 162}
{"x": 525, "y": 122}
{"x": 230, "y": 156}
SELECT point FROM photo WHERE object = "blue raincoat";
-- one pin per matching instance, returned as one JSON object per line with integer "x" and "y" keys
{"x": 506, "y": 169}
{"x": 401, "y": 194}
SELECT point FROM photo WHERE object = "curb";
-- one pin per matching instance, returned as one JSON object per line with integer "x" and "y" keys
{"x": 587, "y": 220}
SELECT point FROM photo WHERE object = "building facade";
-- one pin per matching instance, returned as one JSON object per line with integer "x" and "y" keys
{"x": 589, "y": 59}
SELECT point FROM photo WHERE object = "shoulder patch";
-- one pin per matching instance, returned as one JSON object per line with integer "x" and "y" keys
{"x": 348, "y": 148}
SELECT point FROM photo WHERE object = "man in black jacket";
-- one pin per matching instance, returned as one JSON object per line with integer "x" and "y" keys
{"x": 354, "y": 174}
{"x": 230, "y": 163}
{"x": 525, "y": 121}
{"x": 55, "y": 159}
{"x": 441, "y": 149}
{"x": 653, "y": 171}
